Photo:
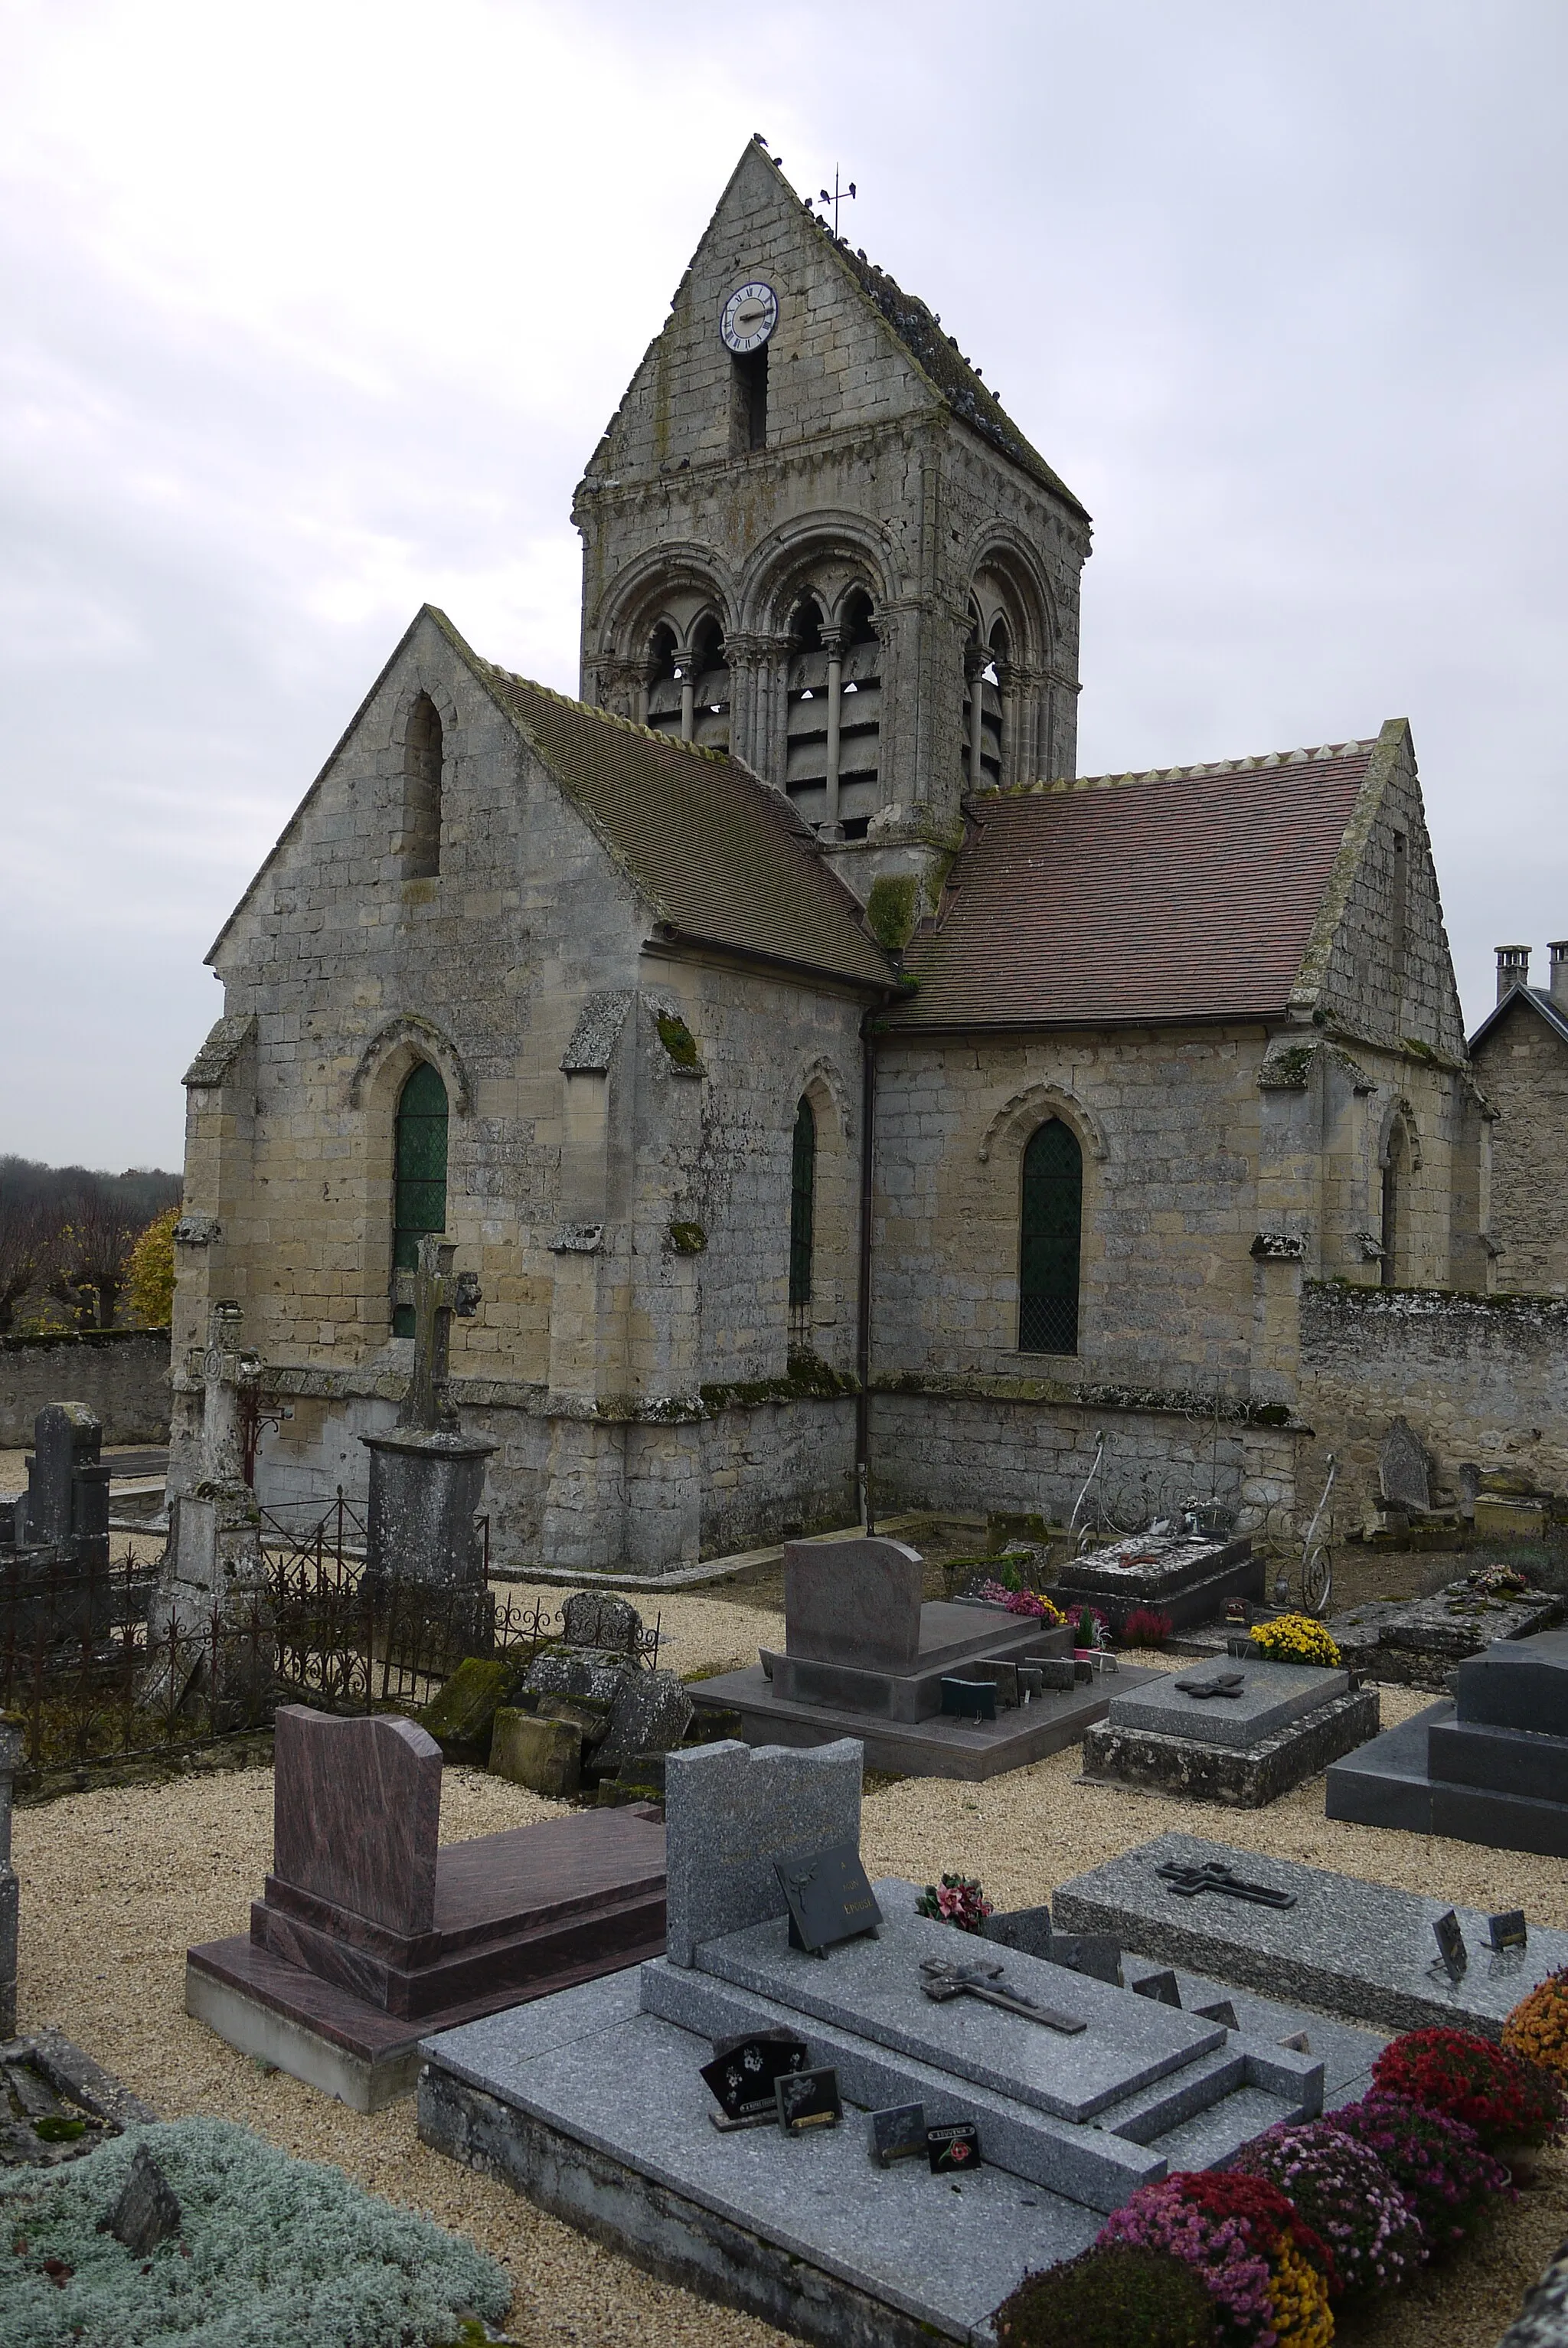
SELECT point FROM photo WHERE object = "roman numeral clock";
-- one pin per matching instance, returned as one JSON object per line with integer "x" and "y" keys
{"x": 749, "y": 317}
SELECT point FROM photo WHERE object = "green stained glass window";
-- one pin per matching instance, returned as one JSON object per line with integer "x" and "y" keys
{"x": 802, "y": 1206}
{"x": 421, "y": 1196}
{"x": 1051, "y": 1241}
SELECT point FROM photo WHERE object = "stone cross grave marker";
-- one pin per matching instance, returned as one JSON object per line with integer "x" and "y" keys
{"x": 854, "y": 1602}
{"x": 67, "y": 1504}
{"x": 436, "y": 1291}
{"x": 356, "y": 1812}
{"x": 1405, "y": 1469}
{"x": 730, "y": 1812}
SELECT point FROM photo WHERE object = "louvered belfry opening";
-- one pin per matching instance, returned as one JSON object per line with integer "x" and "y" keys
{"x": 985, "y": 659}
{"x": 420, "y": 1193}
{"x": 1050, "y": 1249}
{"x": 860, "y": 718}
{"x": 806, "y": 771}
{"x": 711, "y": 688}
{"x": 802, "y": 1223}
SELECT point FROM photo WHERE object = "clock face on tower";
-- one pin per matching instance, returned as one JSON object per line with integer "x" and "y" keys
{"x": 750, "y": 316}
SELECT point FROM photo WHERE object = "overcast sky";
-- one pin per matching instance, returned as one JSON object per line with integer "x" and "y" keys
{"x": 313, "y": 313}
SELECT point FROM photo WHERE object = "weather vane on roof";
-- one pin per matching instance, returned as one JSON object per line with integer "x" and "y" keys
{"x": 840, "y": 195}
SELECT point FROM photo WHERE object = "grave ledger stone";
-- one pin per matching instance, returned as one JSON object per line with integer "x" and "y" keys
{"x": 864, "y": 1657}
{"x": 1188, "y": 1577}
{"x": 1045, "y": 2096}
{"x": 368, "y": 1934}
{"x": 1238, "y": 1734}
{"x": 1487, "y": 1765}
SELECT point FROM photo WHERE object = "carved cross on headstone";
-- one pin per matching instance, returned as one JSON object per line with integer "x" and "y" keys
{"x": 436, "y": 1291}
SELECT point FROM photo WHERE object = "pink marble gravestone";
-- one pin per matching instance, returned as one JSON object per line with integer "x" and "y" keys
{"x": 356, "y": 1815}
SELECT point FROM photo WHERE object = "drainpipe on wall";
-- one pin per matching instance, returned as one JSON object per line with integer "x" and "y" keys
{"x": 863, "y": 1312}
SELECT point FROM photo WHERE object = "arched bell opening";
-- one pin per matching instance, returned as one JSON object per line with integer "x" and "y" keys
{"x": 711, "y": 686}
{"x": 806, "y": 767}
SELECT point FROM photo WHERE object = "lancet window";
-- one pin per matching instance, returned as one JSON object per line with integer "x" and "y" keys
{"x": 420, "y": 1190}
{"x": 422, "y": 760}
{"x": 1050, "y": 1240}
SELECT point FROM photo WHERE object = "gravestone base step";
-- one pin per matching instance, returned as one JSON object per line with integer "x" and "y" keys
{"x": 1244, "y": 1777}
{"x": 1386, "y": 1783}
{"x": 940, "y": 1746}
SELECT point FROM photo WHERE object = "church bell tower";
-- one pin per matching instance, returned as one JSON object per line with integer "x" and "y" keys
{"x": 812, "y": 537}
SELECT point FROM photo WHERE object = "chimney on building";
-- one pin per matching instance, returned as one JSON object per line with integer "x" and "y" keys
{"x": 1513, "y": 970}
{"x": 1558, "y": 950}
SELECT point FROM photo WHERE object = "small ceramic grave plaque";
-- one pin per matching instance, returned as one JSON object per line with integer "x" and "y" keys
{"x": 828, "y": 1897}
{"x": 808, "y": 2099}
{"x": 969, "y": 1699}
{"x": 1508, "y": 1931}
{"x": 742, "y": 2072}
{"x": 1097, "y": 1954}
{"x": 1451, "y": 1948}
{"x": 952, "y": 2147}
{"x": 898, "y": 2134}
{"x": 1161, "y": 1987}
{"x": 1222, "y": 2010}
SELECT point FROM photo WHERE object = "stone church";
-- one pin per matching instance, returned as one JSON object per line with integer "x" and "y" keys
{"x": 826, "y": 1085}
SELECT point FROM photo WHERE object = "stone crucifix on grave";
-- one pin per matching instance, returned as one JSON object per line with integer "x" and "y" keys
{"x": 436, "y": 1292}
{"x": 427, "y": 1477}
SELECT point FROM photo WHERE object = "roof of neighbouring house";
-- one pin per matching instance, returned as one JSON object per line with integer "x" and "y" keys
{"x": 1537, "y": 999}
{"x": 1189, "y": 893}
{"x": 722, "y": 859}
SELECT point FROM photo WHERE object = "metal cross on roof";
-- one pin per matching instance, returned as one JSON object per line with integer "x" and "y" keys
{"x": 839, "y": 196}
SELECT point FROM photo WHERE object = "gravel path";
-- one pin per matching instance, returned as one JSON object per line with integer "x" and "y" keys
{"x": 114, "y": 1885}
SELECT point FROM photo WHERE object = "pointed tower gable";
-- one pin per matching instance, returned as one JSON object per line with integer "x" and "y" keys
{"x": 829, "y": 548}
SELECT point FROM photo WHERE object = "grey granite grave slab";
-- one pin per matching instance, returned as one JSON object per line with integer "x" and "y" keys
{"x": 854, "y": 1602}
{"x": 1272, "y": 1695}
{"x": 1243, "y": 1776}
{"x": 872, "y": 1987}
{"x": 1361, "y": 1949}
{"x": 730, "y": 1814}
{"x": 935, "y": 1748}
{"x": 1518, "y": 1683}
{"x": 1346, "y": 2051}
{"x": 807, "y": 2233}
{"x": 1394, "y": 1782}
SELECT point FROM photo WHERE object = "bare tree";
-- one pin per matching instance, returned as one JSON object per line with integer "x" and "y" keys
{"x": 92, "y": 1256}
{"x": 28, "y": 1233}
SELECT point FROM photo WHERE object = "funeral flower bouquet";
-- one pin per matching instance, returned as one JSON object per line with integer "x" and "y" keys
{"x": 1497, "y": 1580}
{"x": 1438, "y": 2165}
{"x": 1346, "y": 2195}
{"x": 1020, "y": 1601}
{"x": 1295, "y": 1639}
{"x": 957, "y": 1900}
{"x": 1269, "y": 2273}
{"x": 1537, "y": 2029}
{"x": 1504, "y": 2097}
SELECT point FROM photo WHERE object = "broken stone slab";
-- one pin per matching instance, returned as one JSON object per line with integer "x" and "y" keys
{"x": 611, "y": 1626}
{"x": 650, "y": 1715}
{"x": 544, "y": 1754}
{"x": 147, "y": 2211}
{"x": 585, "y": 1674}
{"x": 462, "y": 1717}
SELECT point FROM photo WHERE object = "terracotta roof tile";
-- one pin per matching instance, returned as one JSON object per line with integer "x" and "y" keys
{"x": 1186, "y": 894}
{"x": 720, "y": 856}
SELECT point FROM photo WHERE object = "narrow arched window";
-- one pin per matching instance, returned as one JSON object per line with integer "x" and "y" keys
{"x": 1051, "y": 1241}
{"x": 802, "y": 1220}
{"x": 422, "y": 791}
{"x": 420, "y": 1191}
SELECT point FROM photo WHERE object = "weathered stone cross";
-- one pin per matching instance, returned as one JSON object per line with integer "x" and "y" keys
{"x": 436, "y": 1292}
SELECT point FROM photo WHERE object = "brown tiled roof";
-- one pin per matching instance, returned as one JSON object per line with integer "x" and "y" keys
{"x": 959, "y": 383}
{"x": 721, "y": 858}
{"x": 1186, "y": 894}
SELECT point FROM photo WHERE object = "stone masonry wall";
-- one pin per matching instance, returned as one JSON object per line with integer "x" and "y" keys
{"x": 1478, "y": 1378}
{"x": 1522, "y": 1066}
{"x": 122, "y": 1375}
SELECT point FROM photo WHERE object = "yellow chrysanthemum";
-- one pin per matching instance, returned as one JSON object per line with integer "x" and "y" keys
{"x": 1299, "y": 2300}
{"x": 1296, "y": 1639}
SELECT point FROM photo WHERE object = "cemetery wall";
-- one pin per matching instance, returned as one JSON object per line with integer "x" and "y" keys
{"x": 1478, "y": 1378}
{"x": 121, "y": 1375}
{"x": 1021, "y": 1453}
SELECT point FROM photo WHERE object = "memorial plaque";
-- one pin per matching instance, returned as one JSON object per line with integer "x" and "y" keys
{"x": 1508, "y": 1931}
{"x": 969, "y": 1699}
{"x": 808, "y": 2099}
{"x": 898, "y": 2134}
{"x": 828, "y": 1897}
{"x": 1161, "y": 1987}
{"x": 952, "y": 2147}
{"x": 742, "y": 2070}
{"x": 1222, "y": 2010}
{"x": 1451, "y": 1948}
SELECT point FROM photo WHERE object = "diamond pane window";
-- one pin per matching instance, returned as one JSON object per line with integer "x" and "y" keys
{"x": 421, "y": 1194}
{"x": 802, "y": 1216}
{"x": 1051, "y": 1241}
